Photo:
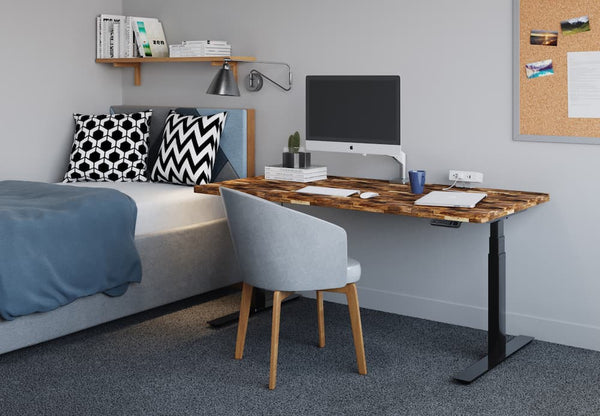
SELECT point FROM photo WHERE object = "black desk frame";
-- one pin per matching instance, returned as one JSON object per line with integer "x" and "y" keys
{"x": 498, "y": 348}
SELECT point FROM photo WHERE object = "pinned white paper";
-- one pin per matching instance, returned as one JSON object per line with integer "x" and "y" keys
{"x": 584, "y": 84}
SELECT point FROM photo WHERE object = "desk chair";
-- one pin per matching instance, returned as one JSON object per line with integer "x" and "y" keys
{"x": 285, "y": 251}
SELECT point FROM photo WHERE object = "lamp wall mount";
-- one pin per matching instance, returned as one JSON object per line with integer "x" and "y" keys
{"x": 254, "y": 79}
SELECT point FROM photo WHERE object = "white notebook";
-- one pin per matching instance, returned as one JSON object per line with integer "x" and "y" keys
{"x": 451, "y": 199}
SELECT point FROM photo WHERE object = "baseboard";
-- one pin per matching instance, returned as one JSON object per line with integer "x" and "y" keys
{"x": 559, "y": 332}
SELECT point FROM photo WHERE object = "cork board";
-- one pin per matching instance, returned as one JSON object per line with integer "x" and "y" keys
{"x": 541, "y": 104}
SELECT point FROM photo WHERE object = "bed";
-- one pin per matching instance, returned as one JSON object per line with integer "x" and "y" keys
{"x": 182, "y": 239}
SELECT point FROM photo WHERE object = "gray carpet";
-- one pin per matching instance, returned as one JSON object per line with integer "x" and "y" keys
{"x": 165, "y": 362}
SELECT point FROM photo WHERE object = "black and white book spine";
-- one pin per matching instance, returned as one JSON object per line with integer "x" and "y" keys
{"x": 109, "y": 31}
{"x": 312, "y": 170}
{"x": 291, "y": 176}
{"x": 140, "y": 38}
{"x": 295, "y": 178}
{"x": 206, "y": 42}
{"x": 116, "y": 40}
{"x": 98, "y": 38}
{"x": 111, "y": 42}
{"x": 105, "y": 35}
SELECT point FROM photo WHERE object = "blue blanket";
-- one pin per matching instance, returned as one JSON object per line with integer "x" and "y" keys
{"x": 60, "y": 242}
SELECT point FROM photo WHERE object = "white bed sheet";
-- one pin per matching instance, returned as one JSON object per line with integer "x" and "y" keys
{"x": 162, "y": 206}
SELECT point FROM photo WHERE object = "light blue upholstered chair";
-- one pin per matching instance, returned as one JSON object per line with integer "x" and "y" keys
{"x": 283, "y": 250}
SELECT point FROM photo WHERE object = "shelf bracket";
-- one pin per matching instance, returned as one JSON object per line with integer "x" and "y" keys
{"x": 137, "y": 70}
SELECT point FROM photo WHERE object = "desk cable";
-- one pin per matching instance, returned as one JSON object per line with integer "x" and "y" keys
{"x": 451, "y": 186}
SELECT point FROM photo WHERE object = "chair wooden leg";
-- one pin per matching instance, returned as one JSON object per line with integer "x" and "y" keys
{"x": 321, "y": 318}
{"x": 278, "y": 297}
{"x": 354, "y": 310}
{"x": 243, "y": 320}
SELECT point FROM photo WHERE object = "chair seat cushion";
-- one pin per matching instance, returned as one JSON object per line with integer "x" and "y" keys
{"x": 353, "y": 271}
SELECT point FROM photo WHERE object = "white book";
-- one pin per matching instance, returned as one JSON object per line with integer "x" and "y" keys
{"x": 206, "y": 42}
{"x": 105, "y": 38}
{"x": 312, "y": 173}
{"x": 294, "y": 175}
{"x": 304, "y": 171}
{"x": 107, "y": 32}
{"x": 176, "y": 51}
{"x": 141, "y": 35}
{"x": 129, "y": 40}
{"x": 98, "y": 38}
{"x": 111, "y": 43}
{"x": 150, "y": 37}
{"x": 294, "y": 179}
{"x": 207, "y": 48}
{"x": 157, "y": 39}
{"x": 116, "y": 40}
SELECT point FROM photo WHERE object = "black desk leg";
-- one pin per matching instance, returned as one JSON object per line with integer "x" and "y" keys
{"x": 259, "y": 303}
{"x": 498, "y": 348}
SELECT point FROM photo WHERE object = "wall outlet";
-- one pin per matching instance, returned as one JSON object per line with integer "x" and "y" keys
{"x": 465, "y": 176}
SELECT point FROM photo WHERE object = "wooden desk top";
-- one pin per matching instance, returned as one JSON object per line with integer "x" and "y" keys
{"x": 393, "y": 198}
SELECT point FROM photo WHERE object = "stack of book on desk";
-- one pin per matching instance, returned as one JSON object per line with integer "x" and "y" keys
{"x": 310, "y": 174}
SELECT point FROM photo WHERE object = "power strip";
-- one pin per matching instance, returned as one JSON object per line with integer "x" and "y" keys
{"x": 445, "y": 223}
{"x": 465, "y": 176}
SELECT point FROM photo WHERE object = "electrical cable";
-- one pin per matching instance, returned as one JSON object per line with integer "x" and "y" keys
{"x": 451, "y": 186}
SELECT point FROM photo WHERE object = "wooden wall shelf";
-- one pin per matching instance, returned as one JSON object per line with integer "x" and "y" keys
{"x": 136, "y": 63}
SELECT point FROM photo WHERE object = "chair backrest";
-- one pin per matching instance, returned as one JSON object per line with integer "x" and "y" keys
{"x": 282, "y": 249}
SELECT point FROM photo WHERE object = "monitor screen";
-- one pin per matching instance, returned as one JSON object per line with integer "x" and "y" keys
{"x": 353, "y": 109}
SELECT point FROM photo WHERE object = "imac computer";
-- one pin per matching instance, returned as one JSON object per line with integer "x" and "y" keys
{"x": 355, "y": 114}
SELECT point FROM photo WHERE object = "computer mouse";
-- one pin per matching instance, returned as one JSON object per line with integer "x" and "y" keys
{"x": 367, "y": 195}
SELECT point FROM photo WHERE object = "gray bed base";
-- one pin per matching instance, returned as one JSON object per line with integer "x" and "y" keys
{"x": 176, "y": 264}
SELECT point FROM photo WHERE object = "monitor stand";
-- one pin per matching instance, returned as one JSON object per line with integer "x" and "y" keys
{"x": 400, "y": 157}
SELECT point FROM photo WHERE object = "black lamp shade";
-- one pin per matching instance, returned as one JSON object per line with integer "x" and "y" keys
{"x": 224, "y": 83}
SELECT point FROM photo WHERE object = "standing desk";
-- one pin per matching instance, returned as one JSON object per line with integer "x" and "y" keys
{"x": 397, "y": 199}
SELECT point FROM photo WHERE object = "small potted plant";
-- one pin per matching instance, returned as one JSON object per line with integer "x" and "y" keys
{"x": 293, "y": 154}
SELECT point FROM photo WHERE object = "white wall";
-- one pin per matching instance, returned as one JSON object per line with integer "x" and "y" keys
{"x": 47, "y": 73}
{"x": 455, "y": 62}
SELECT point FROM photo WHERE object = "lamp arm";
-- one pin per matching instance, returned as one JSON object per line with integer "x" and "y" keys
{"x": 254, "y": 71}
{"x": 278, "y": 63}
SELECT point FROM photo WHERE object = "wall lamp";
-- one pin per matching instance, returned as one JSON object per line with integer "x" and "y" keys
{"x": 224, "y": 82}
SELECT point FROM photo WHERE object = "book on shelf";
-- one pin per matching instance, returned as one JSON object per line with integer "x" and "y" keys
{"x": 119, "y": 37}
{"x": 150, "y": 37}
{"x": 309, "y": 174}
{"x": 197, "y": 48}
{"x": 115, "y": 40}
{"x": 110, "y": 33}
{"x": 206, "y": 42}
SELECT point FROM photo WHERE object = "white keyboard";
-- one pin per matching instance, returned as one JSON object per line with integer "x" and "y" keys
{"x": 324, "y": 190}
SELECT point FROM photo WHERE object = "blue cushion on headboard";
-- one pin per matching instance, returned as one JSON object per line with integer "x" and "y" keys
{"x": 231, "y": 161}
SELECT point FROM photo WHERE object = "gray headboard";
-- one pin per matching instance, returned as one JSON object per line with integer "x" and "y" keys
{"x": 235, "y": 158}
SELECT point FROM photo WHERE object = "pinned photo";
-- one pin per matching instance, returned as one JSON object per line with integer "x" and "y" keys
{"x": 575, "y": 25}
{"x": 543, "y": 37}
{"x": 539, "y": 69}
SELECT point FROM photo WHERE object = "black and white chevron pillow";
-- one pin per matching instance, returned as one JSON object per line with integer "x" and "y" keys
{"x": 188, "y": 149}
{"x": 109, "y": 148}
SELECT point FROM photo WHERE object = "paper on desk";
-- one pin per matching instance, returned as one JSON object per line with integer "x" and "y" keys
{"x": 584, "y": 84}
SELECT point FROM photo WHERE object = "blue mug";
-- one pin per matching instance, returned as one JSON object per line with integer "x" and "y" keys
{"x": 417, "y": 181}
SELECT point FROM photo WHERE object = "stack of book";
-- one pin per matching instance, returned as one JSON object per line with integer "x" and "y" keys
{"x": 199, "y": 48}
{"x": 310, "y": 174}
{"x": 129, "y": 37}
